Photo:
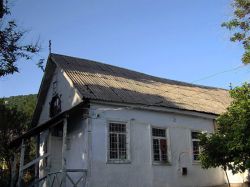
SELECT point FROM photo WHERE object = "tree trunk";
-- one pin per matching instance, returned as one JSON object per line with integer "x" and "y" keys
{"x": 1, "y": 9}
{"x": 13, "y": 170}
{"x": 9, "y": 171}
{"x": 227, "y": 177}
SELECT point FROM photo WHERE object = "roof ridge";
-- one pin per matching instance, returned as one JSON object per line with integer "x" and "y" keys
{"x": 169, "y": 81}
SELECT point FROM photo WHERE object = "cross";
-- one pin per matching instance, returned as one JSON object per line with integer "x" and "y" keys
{"x": 49, "y": 46}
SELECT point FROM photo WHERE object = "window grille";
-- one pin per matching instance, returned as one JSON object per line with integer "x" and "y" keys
{"x": 118, "y": 144}
{"x": 195, "y": 144}
{"x": 159, "y": 140}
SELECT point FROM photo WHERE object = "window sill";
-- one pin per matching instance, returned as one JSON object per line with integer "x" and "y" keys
{"x": 196, "y": 162}
{"x": 118, "y": 162}
{"x": 161, "y": 164}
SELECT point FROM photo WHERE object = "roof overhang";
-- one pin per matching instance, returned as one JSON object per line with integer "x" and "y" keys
{"x": 157, "y": 109}
{"x": 50, "y": 123}
{"x": 42, "y": 93}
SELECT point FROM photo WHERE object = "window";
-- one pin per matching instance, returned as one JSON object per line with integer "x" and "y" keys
{"x": 55, "y": 105}
{"x": 195, "y": 144}
{"x": 118, "y": 144}
{"x": 57, "y": 131}
{"x": 54, "y": 87}
{"x": 159, "y": 141}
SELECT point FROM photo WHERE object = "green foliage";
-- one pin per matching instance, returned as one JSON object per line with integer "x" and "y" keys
{"x": 10, "y": 128}
{"x": 229, "y": 146}
{"x": 15, "y": 117}
{"x": 214, "y": 152}
{"x": 12, "y": 47}
{"x": 240, "y": 24}
{"x": 23, "y": 103}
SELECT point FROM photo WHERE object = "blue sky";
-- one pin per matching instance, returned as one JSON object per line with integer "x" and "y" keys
{"x": 180, "y": 40}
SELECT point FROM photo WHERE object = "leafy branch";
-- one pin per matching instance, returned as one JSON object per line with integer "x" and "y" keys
{"x": 12, "y": 48}
{"x": 240, "y": 25}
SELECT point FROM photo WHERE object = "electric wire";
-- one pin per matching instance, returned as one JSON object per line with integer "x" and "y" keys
{"x": 219, "y": 73}
{"x": 181, "y": 98}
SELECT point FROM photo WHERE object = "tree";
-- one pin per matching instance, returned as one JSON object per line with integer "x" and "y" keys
{"x": 1, "y": 9}
{"x": 240, "y": 24}
{"x": 12, "y": 48}
{"x": 24, "y": 103}
{"x": 229, "y": 146}
{"x": 10, "y": 128}
{"x": 15, "y": 116}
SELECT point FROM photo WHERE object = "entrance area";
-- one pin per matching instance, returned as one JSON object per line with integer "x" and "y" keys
{"x": 55, "y": 148}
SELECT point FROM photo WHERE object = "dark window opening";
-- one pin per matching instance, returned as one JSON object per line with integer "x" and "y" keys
{"x": 55, "y": 105}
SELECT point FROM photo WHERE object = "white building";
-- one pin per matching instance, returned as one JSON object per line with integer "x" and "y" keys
{"x": 108, "y": 127}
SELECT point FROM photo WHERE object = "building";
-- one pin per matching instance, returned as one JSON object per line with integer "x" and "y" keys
{"x": 100, "y": 125}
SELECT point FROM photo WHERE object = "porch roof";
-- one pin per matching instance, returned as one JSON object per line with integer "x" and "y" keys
{"x": 46, "y": 125}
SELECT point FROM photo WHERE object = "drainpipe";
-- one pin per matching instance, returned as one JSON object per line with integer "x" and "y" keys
{"x": 89, "y": 149}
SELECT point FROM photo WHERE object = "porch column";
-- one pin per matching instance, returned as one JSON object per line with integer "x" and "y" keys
{"x": 21, "y": 163}
{"x": 37, "y": 155}
{"x": 13, "y": 170}
{"x": 65, "y": 124}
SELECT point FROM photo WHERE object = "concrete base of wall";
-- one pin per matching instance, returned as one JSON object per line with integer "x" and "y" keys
{"x": 235, "y": 185}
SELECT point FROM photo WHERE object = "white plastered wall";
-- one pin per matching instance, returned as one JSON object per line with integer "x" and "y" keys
{"x": 76, "y": 149}
{"x": 141, "y": 171}
{"x": 69, "y": 98}
{"x": 68, "y": 93}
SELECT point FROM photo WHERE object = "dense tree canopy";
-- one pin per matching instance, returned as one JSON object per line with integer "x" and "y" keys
{"x": 240, "y": 25}
{"x": 229, "y": 146}
{"x": 12, "y": 45}
{"x": 24, "y": 103}
{"x": 15, "y": 117}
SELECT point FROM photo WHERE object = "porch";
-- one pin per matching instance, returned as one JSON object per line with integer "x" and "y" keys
{"x": 60, "y": 179}
{"x": 50, "y": 165}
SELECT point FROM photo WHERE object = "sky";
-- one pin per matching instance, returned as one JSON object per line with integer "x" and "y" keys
{"x": 174, "y": 39}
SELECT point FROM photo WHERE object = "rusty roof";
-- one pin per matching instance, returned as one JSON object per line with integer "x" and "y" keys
{"x": 103, "y": 82}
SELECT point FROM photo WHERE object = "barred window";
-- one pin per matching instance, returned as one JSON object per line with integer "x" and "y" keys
{"x": 118, "y": 145}
{"x": 195, "y": 144}
{"x": 159, "y": 141}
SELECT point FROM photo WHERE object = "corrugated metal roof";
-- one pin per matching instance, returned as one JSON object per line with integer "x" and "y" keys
{"x": 98, "y": 81}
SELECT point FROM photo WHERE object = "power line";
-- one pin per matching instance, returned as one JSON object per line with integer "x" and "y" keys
{"x": 218, "y": 73}
{"x": 180, "y": 98}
